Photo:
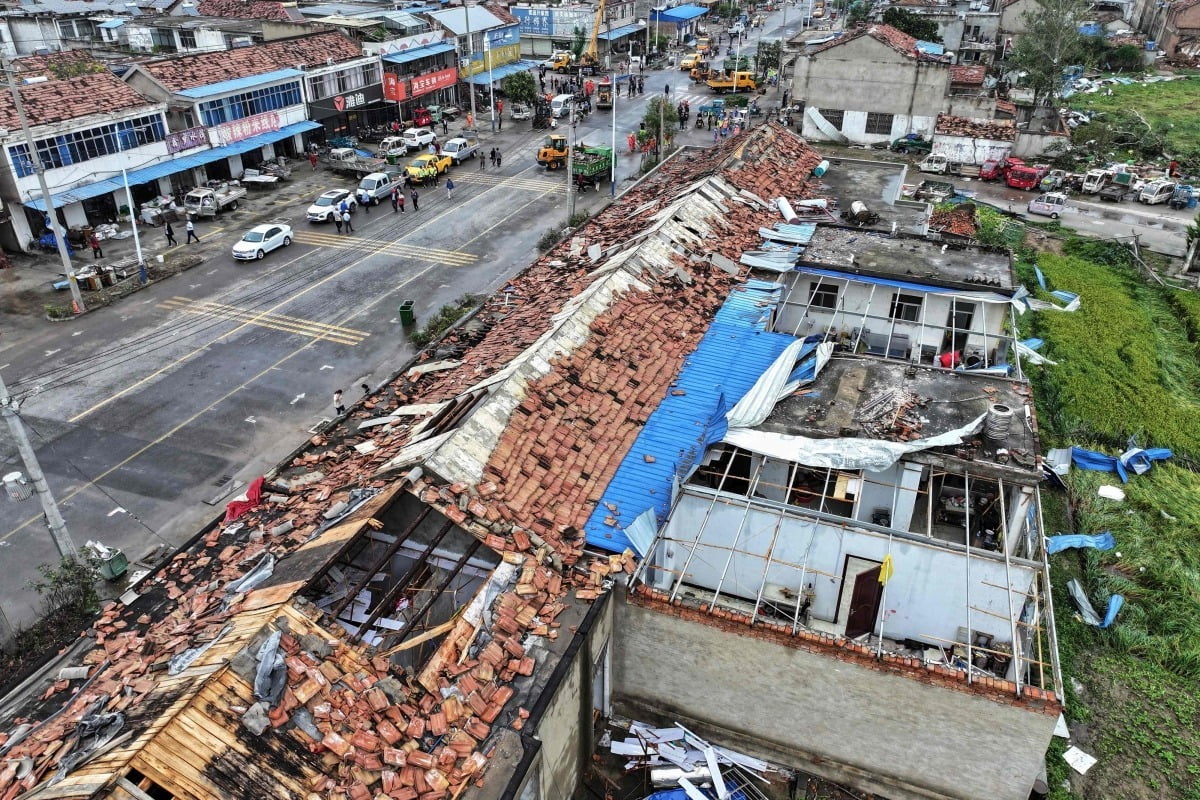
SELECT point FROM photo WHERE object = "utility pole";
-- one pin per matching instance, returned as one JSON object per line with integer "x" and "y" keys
{"x": 470, "y": 63}
{"x": 571, "y": 161}
{"x": 54, "y": 520}
{"x": 35, "y": 160}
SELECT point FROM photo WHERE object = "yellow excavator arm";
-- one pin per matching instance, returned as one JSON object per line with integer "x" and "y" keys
{"x": 590, "y": 55}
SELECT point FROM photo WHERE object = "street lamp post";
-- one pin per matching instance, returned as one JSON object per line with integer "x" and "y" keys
{"x": 470, "y": 62}
{"x": 137, "y": 240}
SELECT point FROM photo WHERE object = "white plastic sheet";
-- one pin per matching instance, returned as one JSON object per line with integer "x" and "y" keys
{"x": 845, "y": 453}
{"x": 773, "y": 385}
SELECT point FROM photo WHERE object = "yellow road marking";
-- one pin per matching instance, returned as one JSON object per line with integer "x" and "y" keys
{"x": 69, "y": 495}
{"x": 315, "y": 330}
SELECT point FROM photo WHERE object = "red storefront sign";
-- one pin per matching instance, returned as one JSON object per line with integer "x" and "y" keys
{"x": 442, "y": 79}
{"x": 393, "y": 87}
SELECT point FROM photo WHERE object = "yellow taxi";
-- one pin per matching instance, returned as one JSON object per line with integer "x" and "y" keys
{"x": 420, "y": 166}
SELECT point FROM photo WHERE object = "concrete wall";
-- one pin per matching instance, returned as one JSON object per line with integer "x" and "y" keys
{"x": 875, "y": 730}
{"x": 926, "y": 598}
{"x": 864, "y": 75}
{"x": 1012, "y": 17}
{"x": 1033, "y": 145}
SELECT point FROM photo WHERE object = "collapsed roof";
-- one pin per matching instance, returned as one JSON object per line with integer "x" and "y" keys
{"x": 218, "y": 673}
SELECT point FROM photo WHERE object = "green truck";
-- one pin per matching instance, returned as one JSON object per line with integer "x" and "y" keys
{"x": 590, "y": 166}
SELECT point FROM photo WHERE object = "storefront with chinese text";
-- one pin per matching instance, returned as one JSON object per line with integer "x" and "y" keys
{"x": 347, "y": 96}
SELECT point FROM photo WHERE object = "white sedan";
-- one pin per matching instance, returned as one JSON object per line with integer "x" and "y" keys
{"x": 262, "y": 239}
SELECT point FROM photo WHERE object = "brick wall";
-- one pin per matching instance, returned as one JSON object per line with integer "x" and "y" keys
{"x": 891, "y": 726}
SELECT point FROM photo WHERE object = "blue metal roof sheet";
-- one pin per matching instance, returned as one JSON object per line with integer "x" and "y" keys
{"x": 680, "y": 13}
{"x": 502, "y": 71}
{"x": 112, "y": 23}
{"x": 234, "y": 85}
{"x": 734, "y": 352}
{"x": 170, "y": 167}
{"x": 418, "y": 52}
{"x": 617, "y": 33}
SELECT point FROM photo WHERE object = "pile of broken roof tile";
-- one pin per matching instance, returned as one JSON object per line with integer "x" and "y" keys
{"x": 244, "y": 9}
{"x": 957, "y": 221}
{"x": 555, "y": 458}
{"x": 995, "y": 130}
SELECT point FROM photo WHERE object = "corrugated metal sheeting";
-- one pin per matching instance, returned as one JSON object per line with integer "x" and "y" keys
{"x": 735, "y": 351}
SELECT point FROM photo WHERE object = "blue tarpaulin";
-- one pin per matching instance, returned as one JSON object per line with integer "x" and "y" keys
{"x": 680, "y": 794}
{"x": 1088, "y": 612}
{"x": 1066, "y": 541}
{"x": 1135, "y": 459}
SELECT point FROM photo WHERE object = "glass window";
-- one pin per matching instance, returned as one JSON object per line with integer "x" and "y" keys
{"x": 906, "y": 307}
{"x": 187, "y": 40}
{"x": 823, "y": 295}
{"x": 879, "y": 123}
{"x": 80, "y": 146}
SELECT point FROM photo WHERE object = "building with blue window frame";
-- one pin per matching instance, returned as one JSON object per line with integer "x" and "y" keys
{"x": 85, "y": 129}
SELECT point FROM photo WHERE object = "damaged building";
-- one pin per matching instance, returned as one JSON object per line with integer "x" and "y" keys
{"x": 704, "y": 464}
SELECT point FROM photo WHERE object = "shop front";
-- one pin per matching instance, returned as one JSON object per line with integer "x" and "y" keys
{"x": 346, "y": 97}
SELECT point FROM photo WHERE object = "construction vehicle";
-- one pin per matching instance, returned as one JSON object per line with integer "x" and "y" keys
{"x": 702, "y": 71}
{"x": 738, "y": 63}
{"x": 561, "y": 61}
{"x": 703, "y": 45}
{"x": 736, "y": 82}
{"x": 590, "y": 166}
{"x": 588, "y": 62}
{"x": 604, "y": 94}
{"x": 553, "y": 152}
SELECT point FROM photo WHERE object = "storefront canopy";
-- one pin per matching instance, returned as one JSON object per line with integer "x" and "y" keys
{"x": 679, "y": 14}
{"x": 418, "y": 52}
{"x": 621, "y": 32}
{"x": 501, "y": 72}
{"x": 178, "y": 164}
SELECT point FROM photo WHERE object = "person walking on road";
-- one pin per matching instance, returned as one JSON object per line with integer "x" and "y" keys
{"x": 445, "y": 127}
{"x": 94, "y": 242}
{"x": 449, "y": 189}
{"x": 312, "y": 159}
{"x": 346, "y": 222}
{"x": 191, "y": 233}
{"x": 482, "y": 164}
{"x": 364, "y": 200}
{"x": 414, "y": 197}
{"x": 170, "y": 232}
{"x": 337, "y": 220}
{"x": 339, "y": 407}
{"x": 498, "y": 158}
{"x": 492, "y": 156}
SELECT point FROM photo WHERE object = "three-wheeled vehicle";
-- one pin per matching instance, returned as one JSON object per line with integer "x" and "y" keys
{"x": 1049, "y": 205}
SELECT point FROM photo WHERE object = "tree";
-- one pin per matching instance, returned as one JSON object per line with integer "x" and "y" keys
{"x": 767, "y": 57}
{"x": 579, "y": 42}
{"x": 914, "y": 25}
{"x": 520, "y": 88}
{"x": 1051, "y": 43}
{"x": 859, "y": 13}
{"x": 660, "y": 121}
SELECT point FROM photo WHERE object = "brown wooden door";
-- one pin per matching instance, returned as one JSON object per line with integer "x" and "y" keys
{"x": 864, "y": 603}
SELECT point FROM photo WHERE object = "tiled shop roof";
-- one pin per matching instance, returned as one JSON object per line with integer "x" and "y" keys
{"x": 61, "y": 100}
{"x": 187, "y": 72}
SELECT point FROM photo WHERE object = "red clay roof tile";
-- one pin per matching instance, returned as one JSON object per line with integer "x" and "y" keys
{"x": 61, "y": 100}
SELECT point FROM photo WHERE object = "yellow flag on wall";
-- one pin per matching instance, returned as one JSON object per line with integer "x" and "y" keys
{"x": 885, "y": 570}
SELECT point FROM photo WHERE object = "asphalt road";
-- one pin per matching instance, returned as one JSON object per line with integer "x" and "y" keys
{"x": 148, "y": 415}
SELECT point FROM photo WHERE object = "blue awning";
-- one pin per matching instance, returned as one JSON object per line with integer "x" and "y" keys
{"x": 419, "y": 52}
{"x": 240, "y": 83}
{"x": 619, "y": 33}
{"x": 178, "y": 164}
{"x": 679, "y": 14}
{"x": 501, "y": 72}
{"x": 112, "y": 23}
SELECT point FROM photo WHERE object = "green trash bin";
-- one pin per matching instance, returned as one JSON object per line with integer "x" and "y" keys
{"x": 114, "y": 566}
{"x": 406, "y": 313}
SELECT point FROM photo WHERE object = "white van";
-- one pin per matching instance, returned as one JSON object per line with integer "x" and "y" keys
{"x": 378, "y": 185}
{"x": 561, "y": 105}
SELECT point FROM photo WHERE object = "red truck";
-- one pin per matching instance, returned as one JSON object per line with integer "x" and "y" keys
{"x": 993, "y": 170}
{"x": 1025, "y": 176}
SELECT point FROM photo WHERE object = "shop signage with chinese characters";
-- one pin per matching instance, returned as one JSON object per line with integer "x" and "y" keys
{"x": 431, "y": 82}
{"x": 394, "y": 87}
{"x": 179, "y": 141}
{"x": 347, "y": 101}
{"x": 240, "y": 129}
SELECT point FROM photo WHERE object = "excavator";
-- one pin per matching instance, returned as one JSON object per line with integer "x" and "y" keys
{"x": 588, "y": 62}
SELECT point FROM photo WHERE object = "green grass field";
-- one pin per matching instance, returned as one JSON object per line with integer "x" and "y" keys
{"x": 1172, "y": 103}
{"x": 1129, "y": 366}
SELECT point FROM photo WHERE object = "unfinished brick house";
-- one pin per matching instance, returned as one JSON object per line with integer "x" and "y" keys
{"x": 567, "y": 495}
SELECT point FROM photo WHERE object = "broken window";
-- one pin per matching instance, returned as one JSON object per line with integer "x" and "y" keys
{"x": 906, "y": 307}
{"x": 834, "y": 116}
{"x": 823, "y": 295}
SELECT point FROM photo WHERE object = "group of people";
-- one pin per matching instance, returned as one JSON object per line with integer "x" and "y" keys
{"x": 684, "y": 112}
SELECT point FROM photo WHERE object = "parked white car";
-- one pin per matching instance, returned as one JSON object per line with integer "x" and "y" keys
{"x": 417, "y": 138}
{"x": 262, "y": 239}
{"x": 323, "y": 207}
